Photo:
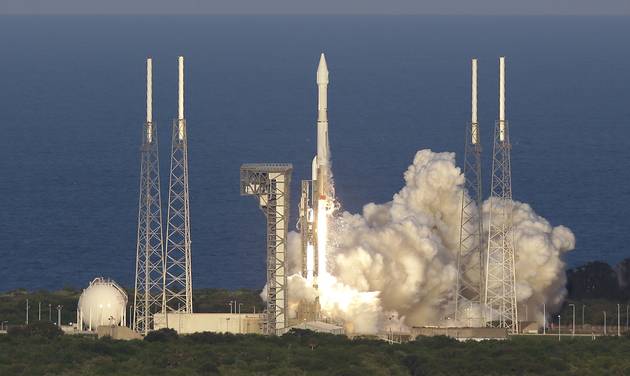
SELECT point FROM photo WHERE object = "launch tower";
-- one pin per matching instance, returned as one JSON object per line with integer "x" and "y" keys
{"x": 150, "y": 249}
{"x": 500, "y": 281}
{"x": 271, "y": 183}
{"x": 177, "y": 269}
{"x": 470, "y": 257}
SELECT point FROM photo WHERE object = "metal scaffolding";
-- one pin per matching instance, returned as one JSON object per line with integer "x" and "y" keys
{"x": 177, "y": 272}
{"x": 500, "y": 282}
{"x": 470, "y": 256}
{"x": 271, "y": 183}
{"x": 149, "y": 249}
{"x": 177, "y": 261}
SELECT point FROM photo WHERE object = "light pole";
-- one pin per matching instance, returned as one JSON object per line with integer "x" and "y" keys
{"x": 59, "y": 307}
{"x": 39, "y": 311}
{"x": 544, "y": 319}
{"x": 583, "y": 316}
{"x": 49, "y": 312}
{"x": 559, "y": 328}
{"x": 604, "y": 322}
{"x": 526, "y": 312}
{"x": 26, "y": 311}
{"x": 627, "y": 315}
{"x": 573, "y": 326}
{"x": 618, "y": 320}
{"x": 239, "y": 318}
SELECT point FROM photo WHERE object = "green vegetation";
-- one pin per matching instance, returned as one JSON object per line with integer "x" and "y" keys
{"x": 306, "y": 353}
{"x": 41, "y": 349}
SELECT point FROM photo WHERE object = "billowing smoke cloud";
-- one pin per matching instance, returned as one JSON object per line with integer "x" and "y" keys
{"x": 397, "y": 261}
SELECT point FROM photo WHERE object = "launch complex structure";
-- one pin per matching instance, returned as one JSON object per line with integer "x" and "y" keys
{"x": 163, "y": 280}
{"x": 486, "y": 276}
{"x": 270, "y": 184}
{"x": 485, "y": 291}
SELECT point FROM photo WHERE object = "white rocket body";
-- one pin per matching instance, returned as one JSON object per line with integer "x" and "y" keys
{"x": 323, "y": 151}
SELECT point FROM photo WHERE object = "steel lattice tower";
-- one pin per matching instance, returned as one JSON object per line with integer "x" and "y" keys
{"x": 500, "y": 284}
{"x": 270, "y": 183}
{"x": 177, "y": 270}
{"x": 470, "y": 257}
{"x": 150, "y": 249}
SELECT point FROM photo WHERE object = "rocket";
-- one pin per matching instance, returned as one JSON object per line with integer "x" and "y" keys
{"x": 321, "y": 163}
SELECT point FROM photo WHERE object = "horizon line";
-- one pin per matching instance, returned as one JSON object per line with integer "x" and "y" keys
{"x": 231, "y": 14}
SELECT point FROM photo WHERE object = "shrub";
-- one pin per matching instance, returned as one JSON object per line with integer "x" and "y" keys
{"x": 37, "y": 329}
{"x": 162, "y": 335}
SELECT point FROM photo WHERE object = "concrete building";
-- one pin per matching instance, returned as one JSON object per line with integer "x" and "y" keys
{"x": 187, "y": 323}
{"x": 117, "y": 332}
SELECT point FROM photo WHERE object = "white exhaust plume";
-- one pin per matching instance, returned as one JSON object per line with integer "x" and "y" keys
{"x": 397, "y": 260}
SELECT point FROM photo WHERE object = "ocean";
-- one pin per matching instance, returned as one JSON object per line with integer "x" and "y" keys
{"x": 72, "y": 92}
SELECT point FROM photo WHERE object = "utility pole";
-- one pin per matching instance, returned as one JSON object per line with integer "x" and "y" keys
{"x": 559, "y": 328}
{"x": 49, "y": 312}
{"x": 573, "y": 326}
{"x": 26, "y": 311}
{"x": 604, "y": 322}
{"x": 583, "y": 316}
{"x": 39, "y": 311}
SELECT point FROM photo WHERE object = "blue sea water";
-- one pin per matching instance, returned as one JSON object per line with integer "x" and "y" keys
{"x": 72, "y": 104}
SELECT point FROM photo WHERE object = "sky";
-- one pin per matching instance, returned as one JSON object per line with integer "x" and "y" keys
{"x": 314, "y": 7}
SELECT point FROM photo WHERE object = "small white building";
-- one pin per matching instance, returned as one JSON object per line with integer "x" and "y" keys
{"x": 187, "y": 323}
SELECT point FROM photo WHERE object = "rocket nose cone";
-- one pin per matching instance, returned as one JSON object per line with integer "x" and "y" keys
{"x": 322, "y": 71}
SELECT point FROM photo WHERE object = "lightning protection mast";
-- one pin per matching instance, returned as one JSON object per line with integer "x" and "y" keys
{"x": 177, "y": 271}
{"x": 150, "y": 249}
{"x": 500, "y": 284}
{"x": 470, "y": 257}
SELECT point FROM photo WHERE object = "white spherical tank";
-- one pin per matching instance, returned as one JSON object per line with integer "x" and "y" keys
{"x": 104, "y": 302}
